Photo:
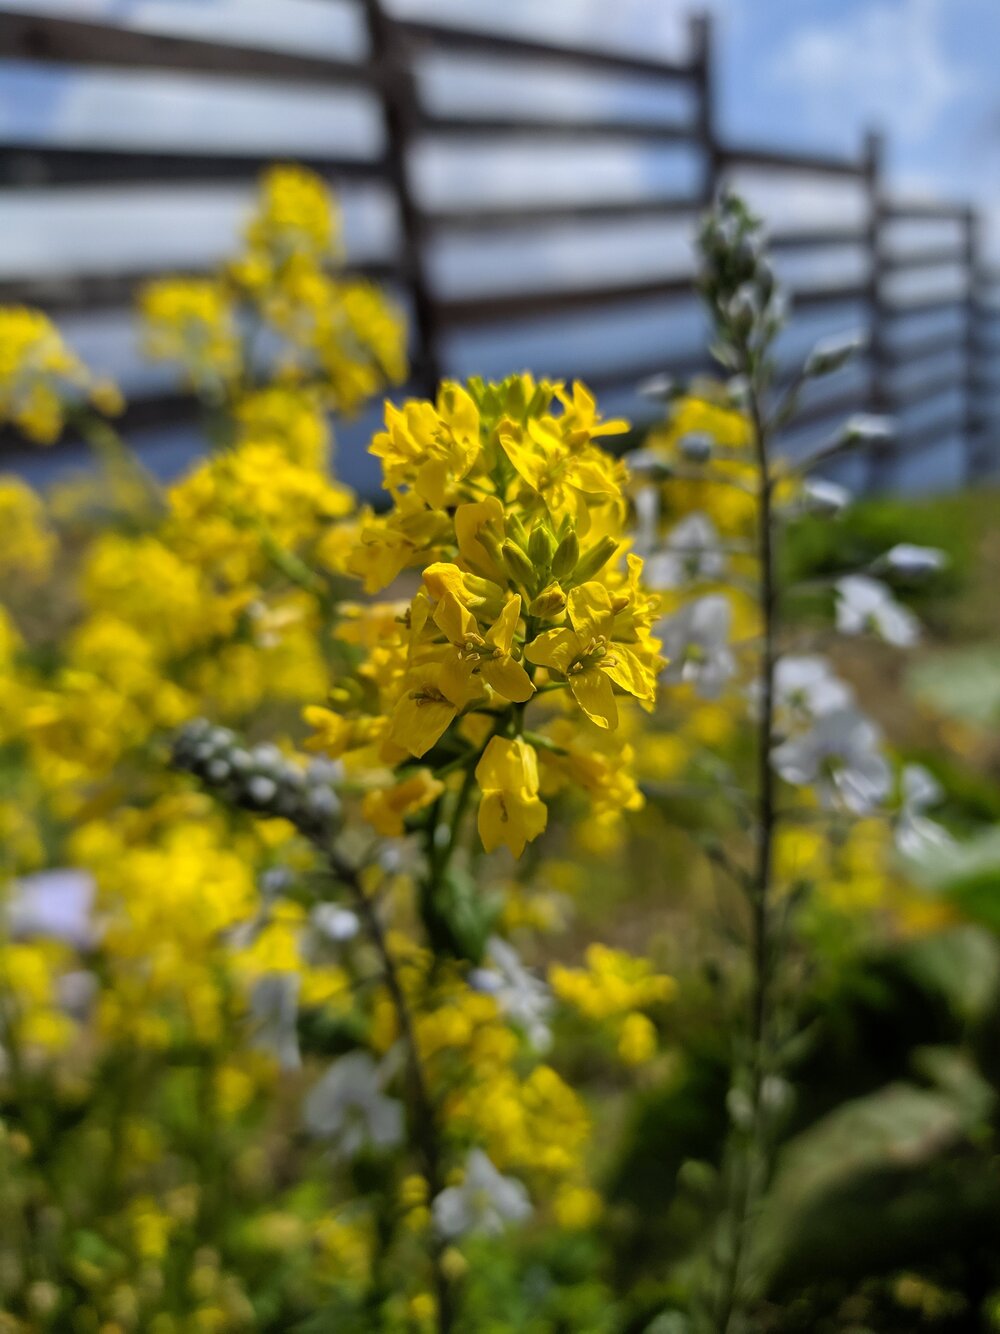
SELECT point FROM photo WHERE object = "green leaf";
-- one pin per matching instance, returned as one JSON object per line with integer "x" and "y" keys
{"x": 900, "y": 1128}
{"x": 963, "y": 683}
{"x": 962, "y": 964}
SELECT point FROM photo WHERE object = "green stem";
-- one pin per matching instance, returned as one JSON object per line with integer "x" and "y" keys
{"x": 751, "y": 1150}
{"x": 425, "y": 1121}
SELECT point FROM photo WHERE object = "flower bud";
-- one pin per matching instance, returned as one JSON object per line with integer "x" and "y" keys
{"x": 516, "y": 530}
{"x": 868, "y": 429}
{"x": 517, "y": 564}
{"x": 595, "y": 559}
{"x": 567, "y": 554}
{"x": 830, "y": 354}
{"x": 549, "y": 603}
{"x": 541, "y": 546}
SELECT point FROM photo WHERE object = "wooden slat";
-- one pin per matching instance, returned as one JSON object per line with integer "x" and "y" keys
{"x": 931, "y": 433}
{"x": 143, "y": 413}
{"x": 814, "y": 238}
{"x": 680, "y": 364}
{"x": 901, "y": 310}
{"x": 75, "y": 294}
{"x": 31, "y": 166}
{"x": 816, "y": 298}
{"x": 470, "y": 311}
{"x": 462, "y": 218}
{"x": 821, "y": 410}
{"x": 770, "y": 159}
{"x": 522, "y": 131}
{"x": 924, "y": 348}
{"x": 926, "y": 389}
{"x": 921, "y": 210}
{"x": 469, "y": 42}
{"x": 934, "y": 257}
{"x": 65, "y": 41}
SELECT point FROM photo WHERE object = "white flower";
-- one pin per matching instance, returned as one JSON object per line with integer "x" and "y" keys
{"x": 840, "y": 756}
{"x": 348, "y": 1106}
{"x": 911, "y": 561}
{"x": 696, "y": 644}
{"x": 915, "y": 834}
{"x": 334, "y": 923}
{"x": 824, "y": 498}
{"x": 485, "y": 1201}
{"x": 805, "y": 687}
{"x": 54, "y": 905}
{"x": 692, "y": 553}
{"x": 835, "y": 351}
{"x": 520, "y": 995}
{"x": 864, "y": 604}
{"x": 868, "y": 429}
{"x": 274, "y": 1011}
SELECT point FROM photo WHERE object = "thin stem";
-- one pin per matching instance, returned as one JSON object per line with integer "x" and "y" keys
{"x": 428, "y": 1140}
{"x": 759, "y": 885}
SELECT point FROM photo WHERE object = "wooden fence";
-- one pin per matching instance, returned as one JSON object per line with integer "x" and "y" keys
{"x": 947, "y": 342}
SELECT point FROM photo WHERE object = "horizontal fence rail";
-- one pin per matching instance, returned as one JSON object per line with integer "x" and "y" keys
{"x": 541, "y": 317}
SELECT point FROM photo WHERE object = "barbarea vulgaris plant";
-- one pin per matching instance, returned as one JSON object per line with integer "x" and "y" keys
{"x": 304, "y": 939}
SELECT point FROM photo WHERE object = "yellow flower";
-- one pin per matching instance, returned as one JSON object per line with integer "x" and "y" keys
{"x": 511, "y": 811}
{"x": 39, "y": 377}
{"x": 27, "y": 547}
{"x": 191, "y": 321}
{"x": 636, "y": 1039}
{"x": 386, "y": 808}
{"x": 428, "y": 447}
{"x": 487, "y": 655}
{"x": 433, "y": 696}
{"x": 590, "y": 656}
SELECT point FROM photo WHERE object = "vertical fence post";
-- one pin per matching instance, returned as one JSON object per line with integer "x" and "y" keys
{"x": 398, "y": 93}
{"x": 880, "y": 398}
{"x": 703, "y": 66}
{"x": 974, "y": 424}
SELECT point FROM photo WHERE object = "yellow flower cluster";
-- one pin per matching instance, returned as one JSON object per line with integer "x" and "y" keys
{"x": 529, "y": 599}
{"x": 337, "y": 335}
{"x": 192, "y": 321}
{"x": 29, "y": 545}
{"x": 41, "y": 380}
{"x": 614, "y": 990}
{"x": 530, "y": 1122}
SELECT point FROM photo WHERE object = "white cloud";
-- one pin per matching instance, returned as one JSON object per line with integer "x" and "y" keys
{"x": 885, "y": 61}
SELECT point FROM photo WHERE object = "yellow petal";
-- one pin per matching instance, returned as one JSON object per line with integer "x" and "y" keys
{"x": 590, "y": 611}
{"x": 593, "y": 692}
{"x": 501, "y": 635}
{"x": 627, "y": 671}
{"x": 418, "y": 721}
{"x": 457, "y": 622}
{"x": 509, "y": 763}
{"x": 508, "y": 678}
{"x": 511, "y": 821}
{"x": 554, "y": 648}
